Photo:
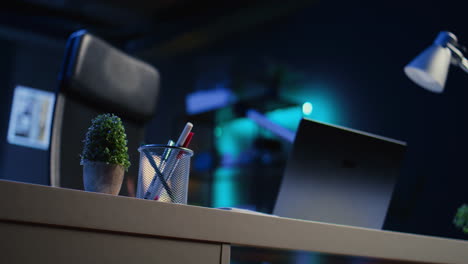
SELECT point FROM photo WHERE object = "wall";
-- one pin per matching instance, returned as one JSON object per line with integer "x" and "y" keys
{"x": 8, "y": 53}
{"x": 34, "y": 62}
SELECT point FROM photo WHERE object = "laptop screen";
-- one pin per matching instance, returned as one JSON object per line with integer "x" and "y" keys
{"x": 339, "y": 175}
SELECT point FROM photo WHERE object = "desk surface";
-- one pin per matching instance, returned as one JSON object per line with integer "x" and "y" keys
{"x": 92, "y": 211}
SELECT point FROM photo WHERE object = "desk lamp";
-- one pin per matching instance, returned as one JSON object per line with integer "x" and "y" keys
{"x": 429, "y": 69}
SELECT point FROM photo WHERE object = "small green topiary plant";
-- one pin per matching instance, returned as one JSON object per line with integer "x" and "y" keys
{"x": 461, "y": 218}
{"x": 106, "y": 141}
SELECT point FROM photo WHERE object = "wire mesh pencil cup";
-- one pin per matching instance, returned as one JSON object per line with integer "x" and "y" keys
{"x": 164, "y": 173}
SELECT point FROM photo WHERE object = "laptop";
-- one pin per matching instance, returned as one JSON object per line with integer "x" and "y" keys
{"x": 339, "y": 175}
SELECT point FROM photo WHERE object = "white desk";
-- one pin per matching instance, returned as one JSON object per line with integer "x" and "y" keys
{"x": 40, "y": 224}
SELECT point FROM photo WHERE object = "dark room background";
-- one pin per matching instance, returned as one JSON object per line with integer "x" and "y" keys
{"x": 345, "y": 58}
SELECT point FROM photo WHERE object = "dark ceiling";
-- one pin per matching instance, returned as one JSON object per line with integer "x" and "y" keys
{"x": 146, "y": 26}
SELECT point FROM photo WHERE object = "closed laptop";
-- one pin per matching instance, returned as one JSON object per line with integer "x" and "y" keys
{"x": 339, "y": 175}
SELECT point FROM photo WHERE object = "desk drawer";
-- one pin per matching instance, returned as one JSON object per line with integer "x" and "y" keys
{"x": 23, "y": 243}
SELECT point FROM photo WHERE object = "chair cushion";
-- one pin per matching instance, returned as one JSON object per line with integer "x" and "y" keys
{"x": 105, "y": 76}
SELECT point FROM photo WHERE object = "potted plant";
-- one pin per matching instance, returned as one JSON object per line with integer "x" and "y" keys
{"x": 461, "y": 218}
{"x": 105, "y": 156}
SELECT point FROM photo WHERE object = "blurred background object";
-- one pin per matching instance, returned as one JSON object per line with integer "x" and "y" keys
{"x": 332, "y": 61}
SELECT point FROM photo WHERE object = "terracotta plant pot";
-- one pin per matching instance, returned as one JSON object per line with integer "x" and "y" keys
{"x": 102, "y": 177}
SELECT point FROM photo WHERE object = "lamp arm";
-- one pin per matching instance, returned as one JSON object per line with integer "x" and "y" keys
{"x": 464, "y": 64}
{"x": 457, "y": 57}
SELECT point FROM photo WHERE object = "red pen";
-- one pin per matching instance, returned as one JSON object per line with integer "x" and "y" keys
{"x": 186, "y": 144}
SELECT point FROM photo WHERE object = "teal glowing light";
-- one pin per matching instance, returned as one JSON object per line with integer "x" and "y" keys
{"x": 307, "y": 108}
{"x": 286, "y": 117}
{"x": 234, "y": 137}
{"x": 326, "y": 105}
{"x": 218, "y": 131}
{"x": 225, "y": 189}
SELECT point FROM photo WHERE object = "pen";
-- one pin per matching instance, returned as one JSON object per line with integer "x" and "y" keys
{"x": 178, "y": 185}
{"x": 155, "y": 188}
{"x": 179, "y": 155}
{"x": 180, "y": 142}
{"x": 186, "y": 143}
{"x": 183, "y": 136}
{"x": 158, "y": 175}
{"x": 154, "y": 184}
{"x": 166, "y": 154}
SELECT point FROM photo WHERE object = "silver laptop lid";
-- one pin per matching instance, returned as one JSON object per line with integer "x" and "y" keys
{"x": 339, "y": 175}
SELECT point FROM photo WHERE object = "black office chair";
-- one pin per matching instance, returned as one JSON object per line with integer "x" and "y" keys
{"x": 97, "y": 78}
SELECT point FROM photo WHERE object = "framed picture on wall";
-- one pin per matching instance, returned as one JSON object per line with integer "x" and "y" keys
{"x": 31, "y": 117}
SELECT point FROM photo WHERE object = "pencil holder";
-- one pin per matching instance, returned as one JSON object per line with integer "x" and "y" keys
{"x": 164, "y": 173}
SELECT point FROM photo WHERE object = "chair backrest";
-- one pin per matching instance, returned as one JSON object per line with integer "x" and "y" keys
{"x": 98, "y": 78}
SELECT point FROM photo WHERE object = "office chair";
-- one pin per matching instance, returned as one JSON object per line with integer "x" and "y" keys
{"x": 97, "y": 78}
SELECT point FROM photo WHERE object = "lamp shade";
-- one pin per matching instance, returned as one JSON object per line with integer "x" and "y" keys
{"x": 429, "y": 69}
